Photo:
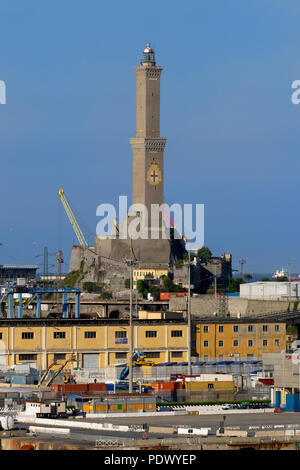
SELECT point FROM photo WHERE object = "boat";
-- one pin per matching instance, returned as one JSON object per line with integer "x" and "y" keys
{"x": 280, "y": 273}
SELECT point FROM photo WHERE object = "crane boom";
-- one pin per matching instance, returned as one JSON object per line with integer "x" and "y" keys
{"x": 45, "y": 373}
{"x": 73, "y": 358}
{"x": 71, "y": 216}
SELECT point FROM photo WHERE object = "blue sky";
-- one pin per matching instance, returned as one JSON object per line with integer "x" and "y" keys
{"x": 233, "y": 132}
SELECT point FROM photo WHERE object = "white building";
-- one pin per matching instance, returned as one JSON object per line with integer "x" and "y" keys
{"x": 270, "y": 290}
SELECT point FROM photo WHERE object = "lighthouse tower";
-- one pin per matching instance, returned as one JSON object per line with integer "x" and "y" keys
{"x": 148, "y": 146}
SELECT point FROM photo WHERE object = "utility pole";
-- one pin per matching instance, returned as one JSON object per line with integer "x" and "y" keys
{"x": 130, "y": 262}
{"x": 189, "y": 333}
{"x": 189, "y": 322}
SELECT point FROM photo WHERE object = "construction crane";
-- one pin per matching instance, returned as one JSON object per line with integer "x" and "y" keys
{"x": 73, "y": 358}
{"x": 138, "y": 359}
{"x": 71, "y": 216}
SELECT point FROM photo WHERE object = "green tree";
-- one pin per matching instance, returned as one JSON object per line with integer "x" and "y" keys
{"x": 265, "y": 279}
{"x": 91, "y": 287}
{"x": 145, "y": 293}
{"x": 155, "y": 291}
{"x": 140, "y": 286}
{"x": 179, "y": 263}
{"x": 248, "y": 277}
{"x": 106, "y": 295}
{"x": 281, "y": 279}
{"x": 167, "y": 283}
{"x": 149, "y": 276}
{"x": 234, "y": 284}
{"x": 204, "y": 253}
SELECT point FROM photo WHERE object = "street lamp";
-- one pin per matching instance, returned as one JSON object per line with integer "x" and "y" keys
{"x": 130, "y": 262}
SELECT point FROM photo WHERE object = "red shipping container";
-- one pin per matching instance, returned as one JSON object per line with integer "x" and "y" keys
{"x": 98, "y": 387}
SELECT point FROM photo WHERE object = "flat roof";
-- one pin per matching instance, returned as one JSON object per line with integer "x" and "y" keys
{"x": 18, "y": 266}
{"x": 125, "y": 321}
{"x": 85, "y": 321}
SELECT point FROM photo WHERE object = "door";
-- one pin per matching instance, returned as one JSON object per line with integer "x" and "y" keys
{"x": 90, "y": 361}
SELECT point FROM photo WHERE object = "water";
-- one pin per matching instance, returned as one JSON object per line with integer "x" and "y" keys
{"x": 259, "y": 276}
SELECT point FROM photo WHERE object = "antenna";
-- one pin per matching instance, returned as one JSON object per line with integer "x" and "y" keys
{"x": 242, "y": 262}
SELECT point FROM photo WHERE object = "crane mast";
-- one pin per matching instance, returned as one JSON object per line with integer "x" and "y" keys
{"x": 71, "y": 216}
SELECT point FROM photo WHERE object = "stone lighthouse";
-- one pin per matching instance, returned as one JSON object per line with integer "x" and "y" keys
{"x": 148, "y": 146}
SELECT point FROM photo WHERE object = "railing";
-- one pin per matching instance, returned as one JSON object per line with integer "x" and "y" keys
{"x": 14, "y": 410}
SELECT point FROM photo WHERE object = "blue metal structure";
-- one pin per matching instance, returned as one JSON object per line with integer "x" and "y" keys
{"x": 125, "y": 371}
{"x": 38, "y": 291}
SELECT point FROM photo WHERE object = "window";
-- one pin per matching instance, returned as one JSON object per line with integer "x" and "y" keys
{"x": 276, "y": 342}
{"x": 59, "y": 356}
{"x": 235, "y": 343}
{"x": 210, "y": 385}
{"x": 177, "y": 354}
{"x": 265, "y": 328}
{"x": 265, "y": 342}
{"x": 221, "y": 329}
{"x": 205, "y": 344}
{"x": 250, "y": 328}
{"x": 235, "y": 328}
{"x": 250, "y": 343}
{"x": 120, "y": 334}
{"x": 277, "y": 327}
{"x": 121, "y": 355}
{"x": 90, "y": 334}
{"x": 152, "y": 355}
{"x": 205, "y": 329}
{"x": 121, "y": 337}
{"x": 27, "y": 335}
{"x": 221, "y": 344}
{"x": 176, "y": 333}
{"x": 151, "y": 334}
{"x": 59, "y": 334}
{"x": 27, "y": 357}
{"x": 0, "y": 335}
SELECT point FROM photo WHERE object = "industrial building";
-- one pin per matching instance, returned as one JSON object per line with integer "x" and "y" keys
{"x": 9, "y": 273}
{"x": 207, "y": 387}
{"x": 270, "y": 290}
{"x": 96, "y": 343}
{"x": 286, "y": 375}
{"x": 231, "y": 339}
{"x": 100, "y": 343}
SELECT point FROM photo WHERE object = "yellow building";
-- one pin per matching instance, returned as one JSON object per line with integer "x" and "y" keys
{"x": 142, "y": 273}
{"x": 233, "y": 340}
{"x": 99, "y": 343}
{"x": 95, "y": 343}
{"x": 209, "y": 387}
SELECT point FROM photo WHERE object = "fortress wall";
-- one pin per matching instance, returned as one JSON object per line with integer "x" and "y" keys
{"x": 207, "y": 305}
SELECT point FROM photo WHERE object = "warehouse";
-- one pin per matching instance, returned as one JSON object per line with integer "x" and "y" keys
{"x": 97, "y": 343}
{"x": 270, "y": 290}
